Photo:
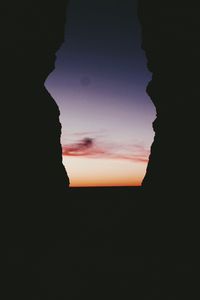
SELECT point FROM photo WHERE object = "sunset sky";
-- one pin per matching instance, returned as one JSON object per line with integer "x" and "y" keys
{"x": 99, "y": 84}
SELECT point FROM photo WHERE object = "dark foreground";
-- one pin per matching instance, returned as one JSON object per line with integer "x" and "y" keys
{"x": 107, "y": 243}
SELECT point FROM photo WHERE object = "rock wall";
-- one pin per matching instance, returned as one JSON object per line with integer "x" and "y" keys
{"x": 170, "y": 32}
{"x": 171, "y": 41}
{"x": 34, "y": 182}
{"x": 32, "y": 32}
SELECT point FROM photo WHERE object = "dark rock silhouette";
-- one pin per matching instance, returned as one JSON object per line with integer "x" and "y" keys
{"x": 34, "y": 182}
{"x": 170, "y": 39}
{"x": 33, "y": 31}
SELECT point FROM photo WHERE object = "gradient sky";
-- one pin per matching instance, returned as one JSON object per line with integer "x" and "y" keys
{"x": 99, "y": 84}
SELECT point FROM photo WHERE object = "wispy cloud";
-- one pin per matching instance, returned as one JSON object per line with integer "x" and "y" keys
{"x": 91, "y": 147}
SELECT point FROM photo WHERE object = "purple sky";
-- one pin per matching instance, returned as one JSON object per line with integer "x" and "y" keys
{"x": 99, "y": 84}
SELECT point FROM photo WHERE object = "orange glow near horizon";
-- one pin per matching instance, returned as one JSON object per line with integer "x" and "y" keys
{"x": 93, "y": 172}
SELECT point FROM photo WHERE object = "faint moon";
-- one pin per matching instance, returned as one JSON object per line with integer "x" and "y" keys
{"x": 85, "y": 81}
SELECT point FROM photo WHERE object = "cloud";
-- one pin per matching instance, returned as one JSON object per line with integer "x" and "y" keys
{"x": 91, "y": 148}
{"x": 85, "y": 147}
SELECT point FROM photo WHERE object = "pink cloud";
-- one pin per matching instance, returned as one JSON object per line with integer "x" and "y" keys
{"x": 89, "y": 147}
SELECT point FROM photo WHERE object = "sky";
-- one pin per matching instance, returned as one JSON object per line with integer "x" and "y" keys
{"x": 99, "y": 84}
